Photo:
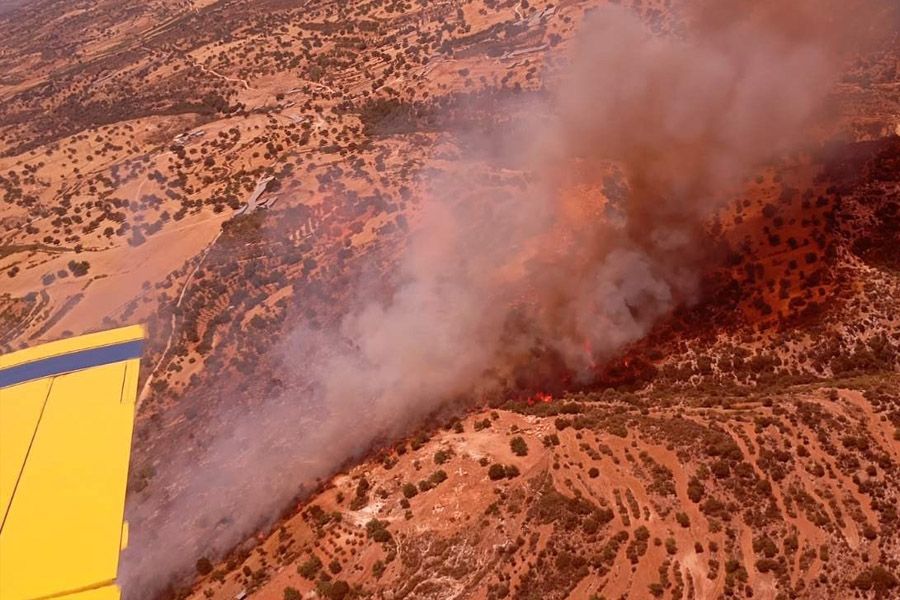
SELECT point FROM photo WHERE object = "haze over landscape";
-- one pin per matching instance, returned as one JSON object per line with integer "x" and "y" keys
{"x": 476, "y": 299}
{"x": 9, "y": 5}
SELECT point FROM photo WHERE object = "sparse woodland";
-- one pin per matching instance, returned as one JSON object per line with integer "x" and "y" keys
{"x": 747, "y": 447}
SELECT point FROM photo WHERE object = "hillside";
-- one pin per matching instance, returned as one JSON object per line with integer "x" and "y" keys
{"x": 753, "y": 456}
{"x": 776, "y": 493}
{"x": 658, "y": 242}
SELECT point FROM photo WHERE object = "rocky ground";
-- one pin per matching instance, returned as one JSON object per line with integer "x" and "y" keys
{"x": 782, "y": 492}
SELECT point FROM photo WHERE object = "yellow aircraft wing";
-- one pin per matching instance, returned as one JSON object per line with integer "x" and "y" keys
{"x": 66, "y": 416}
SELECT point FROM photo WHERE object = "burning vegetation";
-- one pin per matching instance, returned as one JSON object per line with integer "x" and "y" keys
{"x": 620, "y": 278}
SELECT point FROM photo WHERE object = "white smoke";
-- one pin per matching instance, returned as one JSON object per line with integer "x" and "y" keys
{"x": 489, "y": 274}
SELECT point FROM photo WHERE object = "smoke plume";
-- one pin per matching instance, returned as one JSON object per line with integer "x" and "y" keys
{"x": 547, "y": 263}
{"x": 489, "y": 275}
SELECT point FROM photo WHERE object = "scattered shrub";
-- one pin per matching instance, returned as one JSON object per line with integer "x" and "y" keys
{"x": 377, "y": 530}
{"x": 695, "y": 490}
{"x": 204, "y": 566}
{"x": 671, "y": 547}
{"x": 518, "y": 446}
{"x": 79, "y": 268}
{"x": 378, "y": 569}
{"x": 309, "y": 568}
{"x": 875, "y": 578}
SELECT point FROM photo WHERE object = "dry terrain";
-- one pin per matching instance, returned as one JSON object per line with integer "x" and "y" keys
{"x": 228, "y": 172}
{"x": 788, "y": 492}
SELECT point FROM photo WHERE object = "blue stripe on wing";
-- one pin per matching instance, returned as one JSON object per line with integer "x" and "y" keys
{"x": 73, "y": 361}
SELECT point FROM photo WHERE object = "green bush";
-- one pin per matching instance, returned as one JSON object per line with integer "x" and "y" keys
{"x": 310, "y": 567}
{"x": 419, "y": 440}
{"x": 79, "y": 268}
{"x": 378, "y": 569}
{"x": 695, "y": 489}
{"x": 721, "y": 469}
{"x": 875, "y": 578}
{"x": 496, "y": 472}
{"x": 204, "y": 567}
{"x": 333, "y": 591}
{"x": 518, "y": 446}
{"x": 409, "y": 490}
{"x": 765, "y": 546}
{"x": 671, "y": 547}
{"x": 377, "y": 530}
{"x": 764, "y": 565}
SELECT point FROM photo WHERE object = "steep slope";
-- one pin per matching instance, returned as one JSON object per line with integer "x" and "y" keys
{"x": 788, "y": 492}
{"x": 132, "y": 137}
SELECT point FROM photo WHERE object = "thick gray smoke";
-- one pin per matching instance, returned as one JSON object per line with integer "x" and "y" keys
{"x": 684, "y": 120}
{"x": 490, "y": 274}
